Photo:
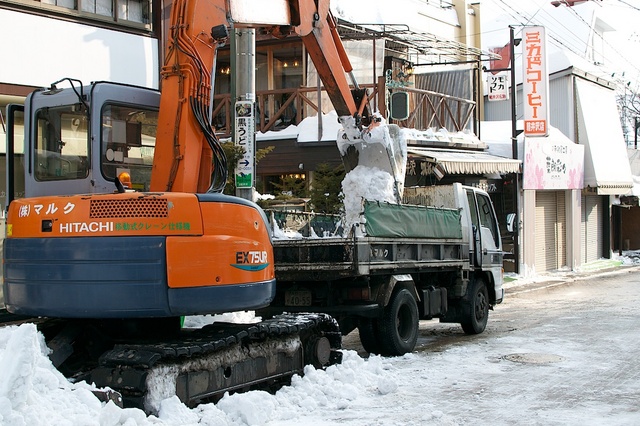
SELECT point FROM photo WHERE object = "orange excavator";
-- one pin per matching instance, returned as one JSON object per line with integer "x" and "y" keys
{"x": 111, "y": 272}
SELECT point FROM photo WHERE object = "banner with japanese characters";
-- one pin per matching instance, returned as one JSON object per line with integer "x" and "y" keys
{"x": 535, "y": 82}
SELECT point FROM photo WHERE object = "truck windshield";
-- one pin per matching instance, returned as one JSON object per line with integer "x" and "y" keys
{"x": 128, "y": 143}
{"x": 61, "y": 143}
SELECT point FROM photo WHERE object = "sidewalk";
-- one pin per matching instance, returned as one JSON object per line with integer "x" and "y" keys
{"x": 515, "y": 284}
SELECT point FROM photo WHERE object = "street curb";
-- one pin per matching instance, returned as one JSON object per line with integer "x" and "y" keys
{"x": 550, "y": 282}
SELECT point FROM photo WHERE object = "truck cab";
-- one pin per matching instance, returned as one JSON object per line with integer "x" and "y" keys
{"x": 486, "y": 247}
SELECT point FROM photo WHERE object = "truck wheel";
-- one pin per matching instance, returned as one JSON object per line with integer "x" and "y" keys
{"x": 476, "y": 310}
{"x": 399, "y": 324}
{"x": 369, "y": 330}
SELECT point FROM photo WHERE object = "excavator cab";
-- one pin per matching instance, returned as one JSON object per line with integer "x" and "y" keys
{"x": 78, "y": 139}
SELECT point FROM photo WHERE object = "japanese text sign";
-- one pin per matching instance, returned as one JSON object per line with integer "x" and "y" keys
{"x": 535, "y": 82}
{"x": 245, "y": 138}
{"x": 497, "y": 85}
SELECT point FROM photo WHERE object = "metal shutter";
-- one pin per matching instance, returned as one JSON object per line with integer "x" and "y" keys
{"x": 592, "y": 232}
{"x": 561, "y": 230}
{"x": 550, "y": 233}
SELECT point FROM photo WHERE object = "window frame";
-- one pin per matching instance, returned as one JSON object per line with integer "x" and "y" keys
{"x": 43, "y": 154}
{"x": 113, "y": 22}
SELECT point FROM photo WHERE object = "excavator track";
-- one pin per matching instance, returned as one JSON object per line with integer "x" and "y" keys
{"x": 197, "y": 365}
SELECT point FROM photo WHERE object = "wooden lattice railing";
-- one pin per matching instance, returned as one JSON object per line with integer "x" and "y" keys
{"x": 277, "y": 109}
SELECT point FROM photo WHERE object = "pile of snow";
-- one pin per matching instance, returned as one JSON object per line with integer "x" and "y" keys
{"x": 308, "y": 128}
{"x": 379, "y": 175}
{"x": 33, "y": 392}
{"x": 365, "y": 183}
{"x": 284, "y": 234}
{"x": 466, "y": 137}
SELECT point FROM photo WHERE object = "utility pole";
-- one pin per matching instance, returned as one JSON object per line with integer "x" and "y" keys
{"x": 513, "y": 42}
{"x": 514, "y": 152}
{"x": 244, "y": 112}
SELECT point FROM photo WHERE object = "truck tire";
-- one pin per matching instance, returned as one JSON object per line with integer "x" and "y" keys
{"x": 476, "y": 309}
{"x": 399, "y": 324}
{"x": 369, "y": 330}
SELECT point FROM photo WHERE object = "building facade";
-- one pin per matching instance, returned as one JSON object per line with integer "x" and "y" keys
{"x": 123, "y": 41}
{"x": 567, "y": 226}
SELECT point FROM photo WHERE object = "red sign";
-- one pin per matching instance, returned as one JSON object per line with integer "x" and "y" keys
{"x": 535, "y": 82}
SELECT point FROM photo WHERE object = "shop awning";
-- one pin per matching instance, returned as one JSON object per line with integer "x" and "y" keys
{"x": 606, "y": 164}
{"x": 465, "y": 162}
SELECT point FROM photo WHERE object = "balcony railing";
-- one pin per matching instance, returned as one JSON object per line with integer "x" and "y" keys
{"x": 436, "y": 110}
{"x": 277, "y": 109}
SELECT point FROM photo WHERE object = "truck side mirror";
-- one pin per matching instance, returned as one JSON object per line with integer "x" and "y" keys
{"x": 511, "y": 219}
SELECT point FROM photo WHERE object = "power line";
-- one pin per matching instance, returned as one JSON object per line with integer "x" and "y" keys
{"x": 629, "y": 5}
{"x": 525, "y": 20}
{"x": 573, "y": 43}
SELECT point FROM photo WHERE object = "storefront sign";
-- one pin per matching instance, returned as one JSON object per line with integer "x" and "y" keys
{"x": 497, "y": 87}
{"x": 553, "y": 163}
{"x": 535, "y": 82}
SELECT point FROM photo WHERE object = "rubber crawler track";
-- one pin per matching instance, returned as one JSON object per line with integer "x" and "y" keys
{"x": 226, "y": 357}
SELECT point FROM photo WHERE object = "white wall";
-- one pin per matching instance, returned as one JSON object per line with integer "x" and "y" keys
{"x": 418, "y": 15}
{"x": 37, "y": 51}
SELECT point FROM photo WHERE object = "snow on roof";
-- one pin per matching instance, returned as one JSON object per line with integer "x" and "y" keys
{"x": 307, "y": 130}
{"x": 497, "y": 136}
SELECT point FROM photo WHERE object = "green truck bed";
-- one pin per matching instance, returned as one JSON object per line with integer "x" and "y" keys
{"x": 399, "y": 239}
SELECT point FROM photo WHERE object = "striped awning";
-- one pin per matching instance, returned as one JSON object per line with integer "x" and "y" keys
{"x": 464, "y": 162}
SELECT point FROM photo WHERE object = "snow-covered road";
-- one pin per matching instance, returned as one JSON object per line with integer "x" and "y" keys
{"x": 564, "y": 354}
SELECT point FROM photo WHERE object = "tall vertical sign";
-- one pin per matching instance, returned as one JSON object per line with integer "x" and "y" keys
{"x": 244, "y": 55}
{"x": 535, "y": 82}
{"x": 244, "y": 132}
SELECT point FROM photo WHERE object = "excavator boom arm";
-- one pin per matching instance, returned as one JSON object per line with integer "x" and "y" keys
{"x": 188, "y": 157}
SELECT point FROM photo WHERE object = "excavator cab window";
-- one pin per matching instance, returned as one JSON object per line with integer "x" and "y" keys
{"x": 61, "y": 143}
{"x": 128, "y": 143}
